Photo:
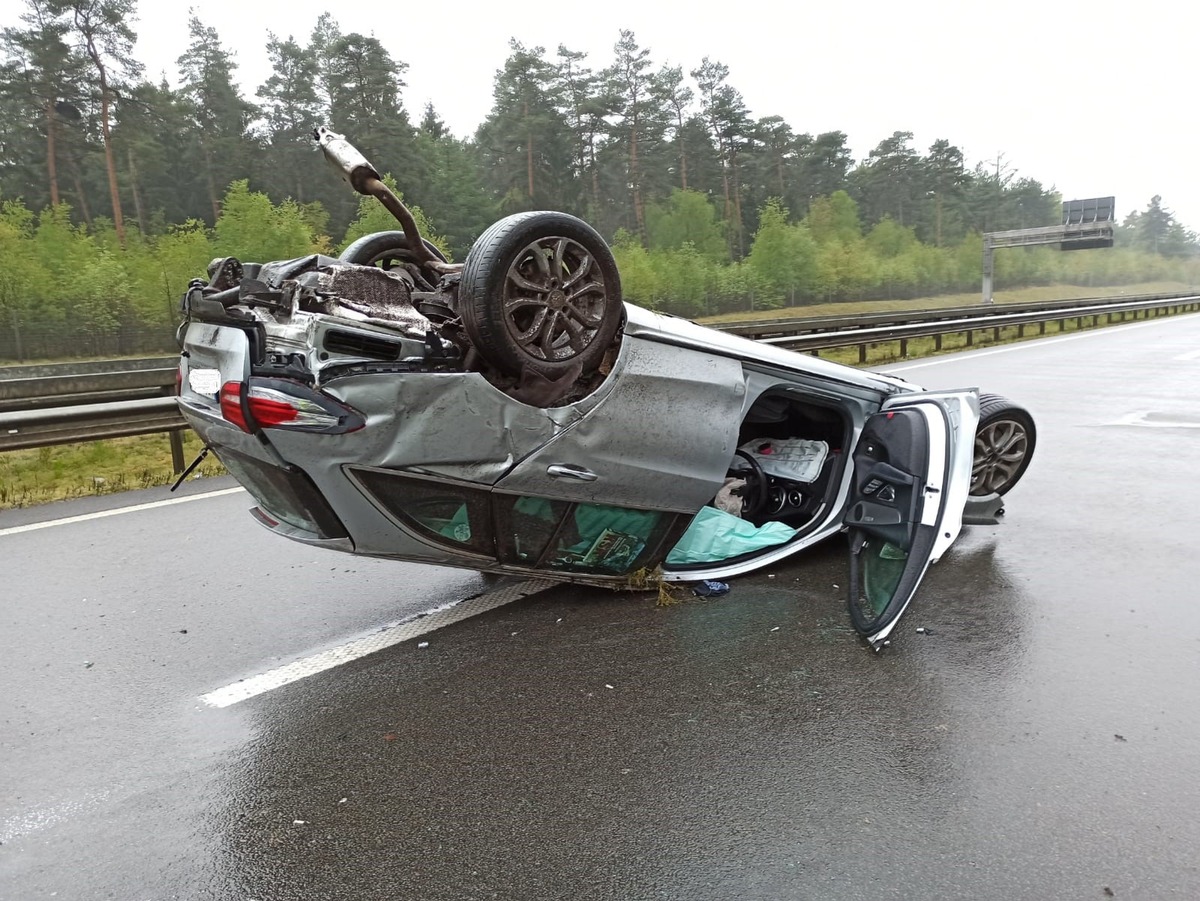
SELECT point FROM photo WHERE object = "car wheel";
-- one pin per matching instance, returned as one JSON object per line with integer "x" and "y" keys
{"x": 540, "y": 291}
{"x": 1004, "y": 444}
{"x": 384, "y": 249}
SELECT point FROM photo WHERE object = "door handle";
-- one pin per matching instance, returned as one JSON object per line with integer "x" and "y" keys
{"x": 566, "y": 471}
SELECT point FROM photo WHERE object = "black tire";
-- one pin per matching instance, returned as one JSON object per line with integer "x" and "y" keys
{"x": 381, "y": 247}
{"x": 1004, "y": 445}
{"x": 541, "y": 291}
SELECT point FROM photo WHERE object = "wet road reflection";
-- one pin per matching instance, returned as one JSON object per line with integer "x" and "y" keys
{"x": 594, "y": 746}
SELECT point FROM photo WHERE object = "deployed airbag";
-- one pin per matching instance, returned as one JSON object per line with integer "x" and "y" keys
{"x": 796, "y": 459}
{"x": 716, "y": 535}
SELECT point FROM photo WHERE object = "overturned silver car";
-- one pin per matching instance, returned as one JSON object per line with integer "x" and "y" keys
{"x": 513, "y": 415}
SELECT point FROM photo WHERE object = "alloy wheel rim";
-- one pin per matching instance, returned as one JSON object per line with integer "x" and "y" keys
{"x": 555, "y": 298}
{"x": 1000, "y": 451}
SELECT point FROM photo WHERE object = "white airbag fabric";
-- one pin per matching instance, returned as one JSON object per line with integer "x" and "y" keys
{"x": 797, "y": 459}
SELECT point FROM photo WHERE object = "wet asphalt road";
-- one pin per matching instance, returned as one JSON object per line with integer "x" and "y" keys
{"x": 1037, "y": 741}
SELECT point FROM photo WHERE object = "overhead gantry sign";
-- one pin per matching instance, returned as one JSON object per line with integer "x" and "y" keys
{"x": 1086, "y": 224}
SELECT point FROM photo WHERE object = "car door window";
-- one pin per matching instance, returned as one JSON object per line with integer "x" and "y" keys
{"x": 898, "y": 506}
{"x": 525, "y": 526}
{"x": 589, "y": 538}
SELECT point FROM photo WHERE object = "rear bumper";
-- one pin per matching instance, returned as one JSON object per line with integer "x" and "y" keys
{"x": 316, "y": 504}
{"x": 288, "y": 499}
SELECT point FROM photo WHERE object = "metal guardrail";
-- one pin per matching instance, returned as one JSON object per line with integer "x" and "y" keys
{"x": 54, "y": 390}
{"x": 995, "y": 320}
{"x": 64, "y": 403}
{"x": 90, "y": 422}
{"x": 769, "y": 328}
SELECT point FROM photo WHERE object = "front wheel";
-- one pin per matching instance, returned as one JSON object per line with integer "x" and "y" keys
{"x": 1004, "y": 443}
{"x": 540, "y": 291}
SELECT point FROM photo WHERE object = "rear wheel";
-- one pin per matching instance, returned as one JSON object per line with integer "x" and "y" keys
{"x": 540, "y": 291}
{"x": 1004, "y": 444}
{"x": 384, "y": 249}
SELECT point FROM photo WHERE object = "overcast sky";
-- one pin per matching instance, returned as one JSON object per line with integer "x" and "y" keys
{"x": 1091, "y": 98}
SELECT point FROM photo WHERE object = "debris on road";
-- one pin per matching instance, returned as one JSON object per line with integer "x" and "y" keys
{"x": 710, "y": 589}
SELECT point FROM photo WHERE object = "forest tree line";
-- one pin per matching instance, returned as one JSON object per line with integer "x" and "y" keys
{"x": 709, "y": 207}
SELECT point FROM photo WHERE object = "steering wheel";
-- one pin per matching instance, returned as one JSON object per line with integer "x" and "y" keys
{"x": 757, "y": 492}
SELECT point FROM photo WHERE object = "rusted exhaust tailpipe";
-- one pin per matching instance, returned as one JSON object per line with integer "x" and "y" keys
{"x": 363, "y": 178}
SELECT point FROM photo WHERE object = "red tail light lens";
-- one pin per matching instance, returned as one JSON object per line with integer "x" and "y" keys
{"x": 266, "y": 403}
{"x": 231, "y": 405}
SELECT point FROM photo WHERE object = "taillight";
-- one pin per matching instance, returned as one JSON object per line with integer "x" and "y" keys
{"x": 266, "y": 403}
{"x": 231, "y": 405}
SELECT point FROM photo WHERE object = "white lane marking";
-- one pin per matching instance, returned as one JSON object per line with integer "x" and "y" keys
{"x": 1190, "y": 355}
{"x": 85, "y": 517}
{"x": 413, "y": 627}
{"x": 1026, "y": 345}
{"x": 1145, "y": 420}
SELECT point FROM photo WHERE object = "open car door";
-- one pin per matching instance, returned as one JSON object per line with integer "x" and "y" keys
{"x": 912, "y": 474}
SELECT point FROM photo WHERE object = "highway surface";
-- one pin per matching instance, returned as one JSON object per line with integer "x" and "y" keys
{"x": 1036, "y": 740}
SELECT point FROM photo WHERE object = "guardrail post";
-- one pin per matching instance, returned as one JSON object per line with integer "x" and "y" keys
{"x": 177, "y": 463}
{"x": 176, "y": 439}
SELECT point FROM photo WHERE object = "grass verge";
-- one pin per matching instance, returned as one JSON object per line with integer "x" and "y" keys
{"x": 47, "y": 474}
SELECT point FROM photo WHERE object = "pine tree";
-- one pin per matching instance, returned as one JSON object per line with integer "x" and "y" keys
{"x": 641, "y": 117}
{"x": 103, "y": 30}
{"x": 43, "y": 76}
{"x": 584, "y": 106}
{"x": 292, "y": 109}
{"x": 524, "y": 140}
{"x": 725, "y": 113}
{"x": 219, "y": 116}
